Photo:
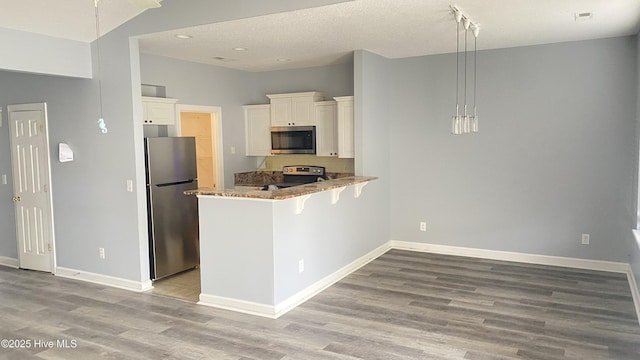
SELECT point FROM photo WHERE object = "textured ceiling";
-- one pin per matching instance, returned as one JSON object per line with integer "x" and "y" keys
{"x": 391, "y": 28}
{"x": 329, "y": 34}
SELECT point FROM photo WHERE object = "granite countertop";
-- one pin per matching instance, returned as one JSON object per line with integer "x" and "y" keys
{"x": 287, "y": 193}
{"x": 265, "y": 177}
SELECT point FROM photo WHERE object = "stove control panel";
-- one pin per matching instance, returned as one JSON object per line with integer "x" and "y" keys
{"x": 303, "y": 170}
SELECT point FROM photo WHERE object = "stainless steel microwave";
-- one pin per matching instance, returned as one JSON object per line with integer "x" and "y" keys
{"x": 293, "y": 140}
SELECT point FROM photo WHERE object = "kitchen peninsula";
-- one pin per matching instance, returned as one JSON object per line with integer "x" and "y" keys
{"x": 265, "y": 252}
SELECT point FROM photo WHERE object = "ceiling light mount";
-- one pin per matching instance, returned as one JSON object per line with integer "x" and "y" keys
{"x": 183, "y": 36}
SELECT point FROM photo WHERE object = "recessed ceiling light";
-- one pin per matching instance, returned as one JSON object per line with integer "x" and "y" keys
{"x": 183, "y": 36}
{"x": 284, "y": 60}
{"x": 588, "y": 15}
{"x": 240, "y": 49}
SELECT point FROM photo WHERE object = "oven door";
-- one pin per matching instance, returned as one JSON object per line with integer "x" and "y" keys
{"x": 293, "y": 140}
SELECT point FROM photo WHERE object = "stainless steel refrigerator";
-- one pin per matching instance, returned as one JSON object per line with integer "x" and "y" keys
{"x": 173, "y": 216}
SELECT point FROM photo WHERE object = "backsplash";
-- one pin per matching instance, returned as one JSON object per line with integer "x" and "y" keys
{"x": 332, "y": 164}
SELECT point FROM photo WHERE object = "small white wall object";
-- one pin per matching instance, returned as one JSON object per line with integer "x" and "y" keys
{"x": 65, "y": 154}
{"x": 102, "y": 126}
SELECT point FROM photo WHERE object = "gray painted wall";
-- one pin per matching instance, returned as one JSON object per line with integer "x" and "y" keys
{"x": 373, "y": 121}
{"x": 199, "y": 84}
{"x": 8, "y": 241}
{"x": 633, "y": 242}
{"x": 251, "y": 248}
{"x": 91, "y": 206}
{"x": 88, "y": 193}
{"x": 553, "y": 159}
{"x": 61, "y": 56}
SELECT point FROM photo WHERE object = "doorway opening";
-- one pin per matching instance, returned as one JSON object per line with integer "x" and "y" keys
{"x": 205, "y": 124}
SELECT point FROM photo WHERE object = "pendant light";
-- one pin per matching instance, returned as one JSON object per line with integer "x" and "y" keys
{"x": 101, "y": 124}
{"x": 456, "y": 120}
{"x": 466, "y": 127}
{"x": 465, "y": 124}
{"x": 474, "y": 117}
{"x": 141, "y": 4}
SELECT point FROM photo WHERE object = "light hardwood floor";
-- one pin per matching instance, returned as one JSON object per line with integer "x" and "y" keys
{"x": 403, "y": 305}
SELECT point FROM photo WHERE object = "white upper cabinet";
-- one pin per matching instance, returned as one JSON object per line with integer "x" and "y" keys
{"x": 326, "y": 127}
{"x": 257, "y": 124}
{"x": 346, "y": 147}
{"x": 158, "y": 111}
{"x": 294, "y": 109}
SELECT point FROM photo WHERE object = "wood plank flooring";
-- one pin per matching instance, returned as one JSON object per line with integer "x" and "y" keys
{"x": 403, "y": 305}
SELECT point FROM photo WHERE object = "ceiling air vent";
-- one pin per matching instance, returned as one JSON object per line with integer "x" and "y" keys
{"x": 583, "y": 16}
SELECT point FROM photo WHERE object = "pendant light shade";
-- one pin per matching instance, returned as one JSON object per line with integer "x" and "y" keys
{"x": 465, "y": 123}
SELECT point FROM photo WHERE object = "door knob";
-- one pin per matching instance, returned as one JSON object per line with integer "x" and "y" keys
{"x": 16, "y": 199}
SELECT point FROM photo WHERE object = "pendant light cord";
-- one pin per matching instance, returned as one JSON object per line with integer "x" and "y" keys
{"x": 98, "y": 54}
{"x": 457, "y": 64}
{"x": 475, "y": 72}
{"x": 465, "y": 71}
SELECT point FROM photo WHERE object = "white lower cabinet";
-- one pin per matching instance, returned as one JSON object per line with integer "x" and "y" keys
{"x": 158, "y": 111}
{"x": 326, "y": 126}
{"x": 346, "y": 146}
{"x": 257, "y": 124}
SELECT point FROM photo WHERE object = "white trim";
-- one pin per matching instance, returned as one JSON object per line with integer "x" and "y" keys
{"x": 216, "y": 133}
{"x": 587, "y": 264}
{"x": 9, "y": 262}
{"x": 274, "y": 312}
{"x": 137, "y": 286}
{"x": 241, "y": 306}
{"x": 633, "y": 286}
{"x": 311, "y": 291}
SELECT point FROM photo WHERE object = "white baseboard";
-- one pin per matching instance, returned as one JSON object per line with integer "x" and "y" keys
{"x": 587, "y": 264}
{"x": 245, "y": 307}
{"x": 9, "y": 262}
{"x": 309, "y": 292}
{"x": 633, "y": 285}
{"x": 137, "y": 286}
{"x": 274, "y": 312}
{"x": 610, "y": 266}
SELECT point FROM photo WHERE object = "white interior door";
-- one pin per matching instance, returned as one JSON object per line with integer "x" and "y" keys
{"x": 31, "y": 184}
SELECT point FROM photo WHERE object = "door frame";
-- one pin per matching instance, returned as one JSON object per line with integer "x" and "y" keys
{"x": 46, "y": 167}
{"x": 216, "y": 134}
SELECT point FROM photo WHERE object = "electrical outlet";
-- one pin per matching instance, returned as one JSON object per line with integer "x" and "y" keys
{"x": 301, "y": 266}
{"x": 130, "y": 185}
{"x": 423, "y": 226}
{"x": 233, "y": 149}
{"x": 4, "y": 179}
{"x": 585, "y": 239}
{"x": 101, "y": 250}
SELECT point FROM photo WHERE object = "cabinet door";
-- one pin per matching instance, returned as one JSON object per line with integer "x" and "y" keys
{"x": 158, "y": 113}
{"x": 257, "y": 130}
{"x": 281, "y": 112}
{"x": 346, "y": 148}
{"x": 326, "y": 129}
{"x": 302, "y": 111}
